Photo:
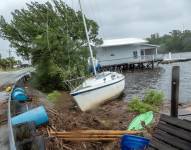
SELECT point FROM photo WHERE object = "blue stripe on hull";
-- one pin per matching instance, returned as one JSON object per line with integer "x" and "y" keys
{"x": 74, "y": 94}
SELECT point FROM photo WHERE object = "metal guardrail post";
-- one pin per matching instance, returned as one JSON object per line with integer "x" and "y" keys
{"x": 10, "y": 128}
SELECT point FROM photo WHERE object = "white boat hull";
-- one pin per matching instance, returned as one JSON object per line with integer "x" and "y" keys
{"x": 91, "y": 99}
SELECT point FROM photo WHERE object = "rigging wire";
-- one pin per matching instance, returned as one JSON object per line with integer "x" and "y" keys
{"x": 79, "y": 21}
{"x": 76, "y": 8}
{"x": 93, "y": 4}
{"x": 67, "y": 36}
{"x": 87, "y": 36}
{"x": 47, "y": 32}
{"x": 95, "y": 7}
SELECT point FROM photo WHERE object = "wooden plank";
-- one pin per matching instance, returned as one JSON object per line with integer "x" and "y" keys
{"x": 155, "y": 143}
{"x": 179, "y": 132}
{"x": 90, "y": 139}
{"x": 176, "y": 122}
{"x": 96, "y": 132}
{"x": 172, "y": 140}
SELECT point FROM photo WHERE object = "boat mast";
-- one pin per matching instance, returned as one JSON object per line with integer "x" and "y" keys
{"x": 87, "y": 36}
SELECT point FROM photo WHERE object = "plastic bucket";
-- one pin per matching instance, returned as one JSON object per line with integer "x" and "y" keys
{"x": 130, "y": 142}
{"x": 37, "y": 115}
{"x": 19, "y": 89}
{"x": 19, "y": 96}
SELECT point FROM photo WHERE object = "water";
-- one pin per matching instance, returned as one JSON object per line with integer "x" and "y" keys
{"x": 160, "y": 78}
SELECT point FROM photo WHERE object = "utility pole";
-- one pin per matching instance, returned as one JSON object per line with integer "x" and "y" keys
{"x": 9, "y": 53}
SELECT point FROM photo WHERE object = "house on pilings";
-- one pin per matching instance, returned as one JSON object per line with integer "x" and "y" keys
{"x": 127, "y": 53}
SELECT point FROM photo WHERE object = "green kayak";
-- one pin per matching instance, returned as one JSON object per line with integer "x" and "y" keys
{"x": 136, "y": 122}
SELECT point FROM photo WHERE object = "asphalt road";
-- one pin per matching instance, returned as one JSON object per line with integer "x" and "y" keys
{"x": 11, "y": 76}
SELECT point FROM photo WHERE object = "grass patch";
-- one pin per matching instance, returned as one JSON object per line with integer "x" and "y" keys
{"x": 151, "y": 102}
{"x": 154, "y": 97}
{"x": 53, "y": 96}
{"x": 137, "y": 105}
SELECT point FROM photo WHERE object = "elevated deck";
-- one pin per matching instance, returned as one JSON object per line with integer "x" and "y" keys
{"x": 144, "y": 62}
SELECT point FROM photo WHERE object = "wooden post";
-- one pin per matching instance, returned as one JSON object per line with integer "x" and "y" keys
{"x": 175, "y": 91}
{"x": 152, "y": 63}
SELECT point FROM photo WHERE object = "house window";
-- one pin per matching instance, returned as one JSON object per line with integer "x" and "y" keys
{"x": 135, "y": 54}
{"x": 142, "y": 52}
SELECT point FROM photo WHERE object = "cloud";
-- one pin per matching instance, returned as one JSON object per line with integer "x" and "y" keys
{"x": 124, "y": 18}
{"x": 6, "y": 7}
{"x": 140, "y": 18}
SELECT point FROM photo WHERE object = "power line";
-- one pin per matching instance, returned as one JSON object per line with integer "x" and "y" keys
{"x": 9, "y": 52}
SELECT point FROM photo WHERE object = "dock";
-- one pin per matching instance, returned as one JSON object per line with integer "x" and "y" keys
{"x": 148, "y": 63}
{"x": 143, "y": 63}
{"x": 171, "y": 133}
{"x": 169, "y": 61}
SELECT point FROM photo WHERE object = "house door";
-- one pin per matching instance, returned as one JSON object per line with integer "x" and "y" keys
{"x": 135, "y": 55}
{"x": 142, "y": 54}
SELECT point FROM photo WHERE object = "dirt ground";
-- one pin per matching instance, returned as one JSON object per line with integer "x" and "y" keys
{"x": 64, "y": 115}
{"x": 3, "y": 121}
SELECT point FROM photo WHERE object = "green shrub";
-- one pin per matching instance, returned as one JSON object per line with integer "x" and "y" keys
{"x": 53, "y": 96}
{"x": 154, "y": 97}
{"x": 137, "y": 105}
{"x": 48, "y": 77}
{"x": 151, "y": 102}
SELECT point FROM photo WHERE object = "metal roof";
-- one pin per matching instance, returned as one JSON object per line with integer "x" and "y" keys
{"x": 124, "y": 41}
{"x": 151, "y": 45}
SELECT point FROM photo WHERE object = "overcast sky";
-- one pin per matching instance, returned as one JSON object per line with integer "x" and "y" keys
{"x": 121, "y": 18}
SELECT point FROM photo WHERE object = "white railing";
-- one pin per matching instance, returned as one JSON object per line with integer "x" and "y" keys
{"x": 152, "y": 57}
{"x": 135, "y": 59}
{"x": 74, "y": 83}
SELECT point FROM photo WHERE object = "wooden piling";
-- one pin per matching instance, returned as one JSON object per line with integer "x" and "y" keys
{"x": 175, "y": 90}
{"x": 152, "y": 63}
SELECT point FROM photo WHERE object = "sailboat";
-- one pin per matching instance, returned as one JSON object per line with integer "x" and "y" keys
{"x": 101, "y": 87}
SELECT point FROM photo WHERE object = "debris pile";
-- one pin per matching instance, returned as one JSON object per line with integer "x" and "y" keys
{"x": 65, "y": 116}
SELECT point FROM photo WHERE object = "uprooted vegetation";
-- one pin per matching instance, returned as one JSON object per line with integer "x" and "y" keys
{"x": 151, "y": 102}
